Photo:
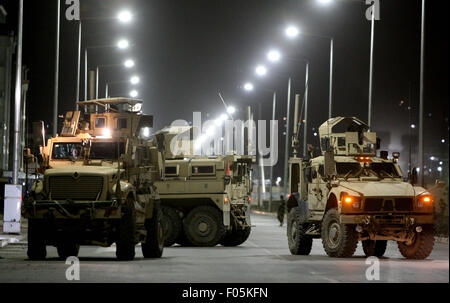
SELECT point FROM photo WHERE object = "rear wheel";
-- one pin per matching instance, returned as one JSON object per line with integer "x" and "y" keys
{"x": 422, "y": 244}
{"x": 203, "y": 226}
{"x": 339, "y": 240}
{"x": 236, "y": 236}
{"x": 374, "y": 248}
{"x": 67, "y": 249}
{"x": 299, "y": 243}
{"x": 36, "y": 244}
{"x": 154, "y": 243}
{"x": 126, "y": 242}
{"x": 172, "y": 225}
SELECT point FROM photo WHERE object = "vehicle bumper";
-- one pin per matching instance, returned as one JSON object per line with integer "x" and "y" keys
{"x": 394, "y": 220}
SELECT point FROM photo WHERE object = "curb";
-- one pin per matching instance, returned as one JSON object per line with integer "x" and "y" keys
{"x": 441, "y": 240}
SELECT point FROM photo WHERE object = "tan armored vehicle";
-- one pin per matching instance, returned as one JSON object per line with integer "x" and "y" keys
{"x": 98, "y": 188}
{"x": 349, "y": 194}
{"x": 205, "y": 200}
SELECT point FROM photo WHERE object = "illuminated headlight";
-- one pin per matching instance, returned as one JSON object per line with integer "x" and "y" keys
{"x": 347, "y": 201}
{"x": 424, "y": 200}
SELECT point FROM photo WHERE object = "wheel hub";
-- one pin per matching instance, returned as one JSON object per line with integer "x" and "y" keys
{"x": 334, "y": 233}
{"x": 202, "y": 227}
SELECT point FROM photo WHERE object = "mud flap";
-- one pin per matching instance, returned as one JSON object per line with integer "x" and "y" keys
{"x": 247, "y": 217}
{"x": 226, "y": 218}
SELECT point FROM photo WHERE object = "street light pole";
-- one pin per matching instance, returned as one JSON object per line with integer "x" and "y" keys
{"x": 286, "y": 151}
{"x": 85, "y": 75}
{"x": 305, "y": 130}
{"x": 78, "y": 67}
{"x": 272, "y": 144}
{"x": 55, "y": 101}
{"x": 330, "y": 107}
{"x": 422, "y": 95}
{"x": 372, "y": 36}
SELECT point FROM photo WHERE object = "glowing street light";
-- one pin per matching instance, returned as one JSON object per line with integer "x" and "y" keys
{"x": 249, "y": 87}
{"x": 123, "y": 44}
{"x": 134, "y": 94}
{"x": 129, "y": 63}
{"x": 231, "y": 110}
{"x": 125, "y": 16}
{"x": 261, "y": 70}
{"x": 135, "y": 80}
{"x": 325, "y": 2}
{"x": 274, "y": 56}
{"x": 292, "y": 31}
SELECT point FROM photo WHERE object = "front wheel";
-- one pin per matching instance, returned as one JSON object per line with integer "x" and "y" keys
{"x": 154, "y": 243}
{"x": 203, "y": 226}
{"x": 422, "y": 245}
{"x": 236, "y": 236}
{"x": 374, "y": 248}
{"x": 339, "y": 240}
{"x": 36, "y": 244}
{"x": 126, "y": 242}
{"x": 172, "y": 225}
{"x": 299, "y": 242}
{"x": 67, "y": 249}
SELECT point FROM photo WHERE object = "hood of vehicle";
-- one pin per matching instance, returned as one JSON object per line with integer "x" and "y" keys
{"x": 81, "y": 170}
{"x": 381, "y": 189}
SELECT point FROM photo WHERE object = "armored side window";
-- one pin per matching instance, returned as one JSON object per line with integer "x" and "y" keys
{"x": 171, "y": 171}
{"x": 122, "y": 123}
{"x": 203, "y": 170}
{"x": 100, "y": 122}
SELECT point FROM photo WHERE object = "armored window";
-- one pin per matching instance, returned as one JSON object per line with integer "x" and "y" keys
{"x": 100, "y": 122}
{"x": 341, "y": 141}
{"x": 171, "y": 171}
{"x": 122, "y": 123}
{"x": 203, "y": 170}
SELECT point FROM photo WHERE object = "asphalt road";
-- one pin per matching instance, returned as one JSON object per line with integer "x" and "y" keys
{"x": 263, "y": 258}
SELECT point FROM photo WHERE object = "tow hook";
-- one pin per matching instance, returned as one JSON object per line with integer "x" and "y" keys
{"x": 419, "y": 229}
{"x": 366, "y": 220}
{"x": 359, "y": 229}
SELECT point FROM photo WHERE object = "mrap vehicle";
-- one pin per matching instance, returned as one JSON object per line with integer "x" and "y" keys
{"x": 349, "y": 194}
{"x": 98, "y": 185}
{"x": 205, "y": 200}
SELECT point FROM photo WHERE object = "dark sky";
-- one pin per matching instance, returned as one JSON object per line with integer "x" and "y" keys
{"x": 187, "y": 51}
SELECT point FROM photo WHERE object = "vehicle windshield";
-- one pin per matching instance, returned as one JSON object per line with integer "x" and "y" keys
{"x": 355, "y": 170}
{"x": 67, "y": 151}
{"x": 106, "y": 150}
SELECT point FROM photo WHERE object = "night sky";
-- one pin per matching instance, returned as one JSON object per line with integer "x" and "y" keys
{"x": 188, "y": 51}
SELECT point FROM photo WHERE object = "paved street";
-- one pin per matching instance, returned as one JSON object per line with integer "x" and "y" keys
{"x": 264, "y": 258}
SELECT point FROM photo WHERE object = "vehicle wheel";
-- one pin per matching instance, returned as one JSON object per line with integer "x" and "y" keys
{"x": 172, "y": 225}
{"x": 154, "y": 242}
{"x": 339, "y": 240}
{"x": 299, "y": 243}
{"x": 126, "y": 242}
{"x": 203, "y": 226}
{"x": 236, "y": 236}
{"x": 67, "y": 249}
{"x": 374, "y": 248}
{"x": 36, "y": 244}
{"x": 421, "y": 247}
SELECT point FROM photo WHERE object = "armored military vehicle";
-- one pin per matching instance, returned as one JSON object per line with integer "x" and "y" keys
{"x": 348, "y": 194}
{"x": 205, "y": 200}
{"x": 98, "y": 186}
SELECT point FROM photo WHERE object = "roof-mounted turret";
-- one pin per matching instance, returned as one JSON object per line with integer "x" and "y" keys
{"x": 347, "y": 136}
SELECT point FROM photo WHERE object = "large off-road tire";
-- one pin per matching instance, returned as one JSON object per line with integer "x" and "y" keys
{"x": 154, "y": 242}
{"x": 203, "y": 226}
{"x": 126, "y": 241}
{"x": 339, "y": 240}
{"x": 172, "y": 225}
{"x": 374, "y": 248}
{"x": 236, "y": 236}
{"x": 299, "y": 243}
{"x": 67, "y": 249}
{"x": 36, "y": 243}
{"x": 421, "y": 247}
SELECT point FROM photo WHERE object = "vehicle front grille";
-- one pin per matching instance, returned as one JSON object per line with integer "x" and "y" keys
{"x": 380, "y": 204}
{"x": 373, "y": 204}
{"x": 83, "y": 188}
{"x": 404, "y": 204}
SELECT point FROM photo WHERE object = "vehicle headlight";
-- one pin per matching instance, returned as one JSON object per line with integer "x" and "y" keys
{"x": 349, "y": 201}
{"x": 424, "y": 201}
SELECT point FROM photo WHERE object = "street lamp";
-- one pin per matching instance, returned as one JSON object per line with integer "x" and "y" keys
{"x": 135, "y": 80}
{"x": 125, "y": 16}
{"x": 123, "y": 44}
{"x": 261, "y": 70}
{"x": 325, "y": 2}
{"x": 292, "y": 31}
{"x": 248, "y": 87}
{"x": 274, "y": 56}
{"x": 231, "y": 110}
{"x": 129, "y": 63}
{"x": 134, "y": 94}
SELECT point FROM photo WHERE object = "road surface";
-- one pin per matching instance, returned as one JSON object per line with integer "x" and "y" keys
{"x": 263, "y": 258}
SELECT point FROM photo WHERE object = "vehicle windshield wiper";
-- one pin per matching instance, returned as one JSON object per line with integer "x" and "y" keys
{"x": 387, "y": 174}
